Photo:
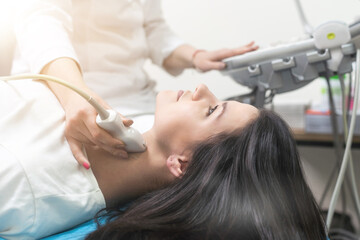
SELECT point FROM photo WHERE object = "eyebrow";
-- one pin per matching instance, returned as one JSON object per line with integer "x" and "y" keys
{"x": 222, "y": 110}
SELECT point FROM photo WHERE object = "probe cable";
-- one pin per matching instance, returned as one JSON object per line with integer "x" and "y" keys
{"x": 100, "y": 109}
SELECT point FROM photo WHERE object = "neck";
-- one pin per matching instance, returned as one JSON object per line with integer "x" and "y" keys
{"x": 122, "y": 180}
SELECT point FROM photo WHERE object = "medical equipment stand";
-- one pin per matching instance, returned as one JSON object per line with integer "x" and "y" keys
{"x": 331, "y": 51}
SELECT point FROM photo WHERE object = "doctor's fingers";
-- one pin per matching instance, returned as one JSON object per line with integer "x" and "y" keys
{"x": 77, "y": 150}
{"x": 250, "y": 44}
{"x": 247, "y": 48}
{"x": 210, "y": 65}
{"x": 79, "y": 132}
{"x": 92, "y": 134}
{"x": 105, "y": 141}
{"x": 226, "y": 53}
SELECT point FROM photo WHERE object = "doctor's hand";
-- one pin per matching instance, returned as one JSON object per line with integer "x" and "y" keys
{"x": 81, "y": 130}
{"x": 212, "y": 60}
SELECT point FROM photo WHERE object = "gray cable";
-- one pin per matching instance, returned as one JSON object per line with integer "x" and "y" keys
{"x": 351, "y": 165}
{"x": 343, "y": 233}
{"x": 337, "y": 140}
{"x": 307, "y": 27}
{"x": 340, "y": 179}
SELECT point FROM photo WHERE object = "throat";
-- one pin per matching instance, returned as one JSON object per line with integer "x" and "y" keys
{"x": 122, "y": 180}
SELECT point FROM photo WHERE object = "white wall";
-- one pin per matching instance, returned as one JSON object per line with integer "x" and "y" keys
{"x": 214, "y": 24}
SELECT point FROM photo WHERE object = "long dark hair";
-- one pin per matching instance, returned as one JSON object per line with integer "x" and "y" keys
{"x": 245, "y": 185}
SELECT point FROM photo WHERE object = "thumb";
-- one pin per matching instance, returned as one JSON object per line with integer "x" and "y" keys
{"x": 127, "y": 122}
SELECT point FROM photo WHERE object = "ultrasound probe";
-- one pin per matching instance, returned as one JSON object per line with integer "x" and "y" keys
{"x": 107, "y": 119}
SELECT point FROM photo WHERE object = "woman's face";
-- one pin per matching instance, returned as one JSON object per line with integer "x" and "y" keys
{"x": 185, "y": 117}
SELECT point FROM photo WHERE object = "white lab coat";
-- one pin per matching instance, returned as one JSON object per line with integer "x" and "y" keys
{"x": 110, "y": 39}
{"x": 43, "y": 190}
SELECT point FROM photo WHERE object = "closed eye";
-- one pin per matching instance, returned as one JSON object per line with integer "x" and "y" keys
{"x": 211, "y": 110}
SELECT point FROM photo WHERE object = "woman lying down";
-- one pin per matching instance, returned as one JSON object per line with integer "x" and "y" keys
{"x": 212, "y": 170}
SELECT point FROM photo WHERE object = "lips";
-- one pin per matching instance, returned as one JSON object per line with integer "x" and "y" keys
{"x": 180, "y": 93}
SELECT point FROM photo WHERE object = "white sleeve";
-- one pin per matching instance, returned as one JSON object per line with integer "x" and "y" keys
{"x": 43, "y": 29}
{"x": 161, "y": 39}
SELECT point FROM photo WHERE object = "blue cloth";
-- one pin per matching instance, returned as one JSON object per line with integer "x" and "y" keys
{"x": 77, "y": 233}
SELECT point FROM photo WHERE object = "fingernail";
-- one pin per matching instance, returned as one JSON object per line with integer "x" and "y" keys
{"x": 124, "y": 155}
{"x": 86, "y": 165}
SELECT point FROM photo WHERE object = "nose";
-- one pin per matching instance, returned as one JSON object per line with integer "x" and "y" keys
{"x": 202, "y": 91}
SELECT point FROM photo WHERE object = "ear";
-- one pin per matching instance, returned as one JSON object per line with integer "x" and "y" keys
{"x": 177, "y": 164}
